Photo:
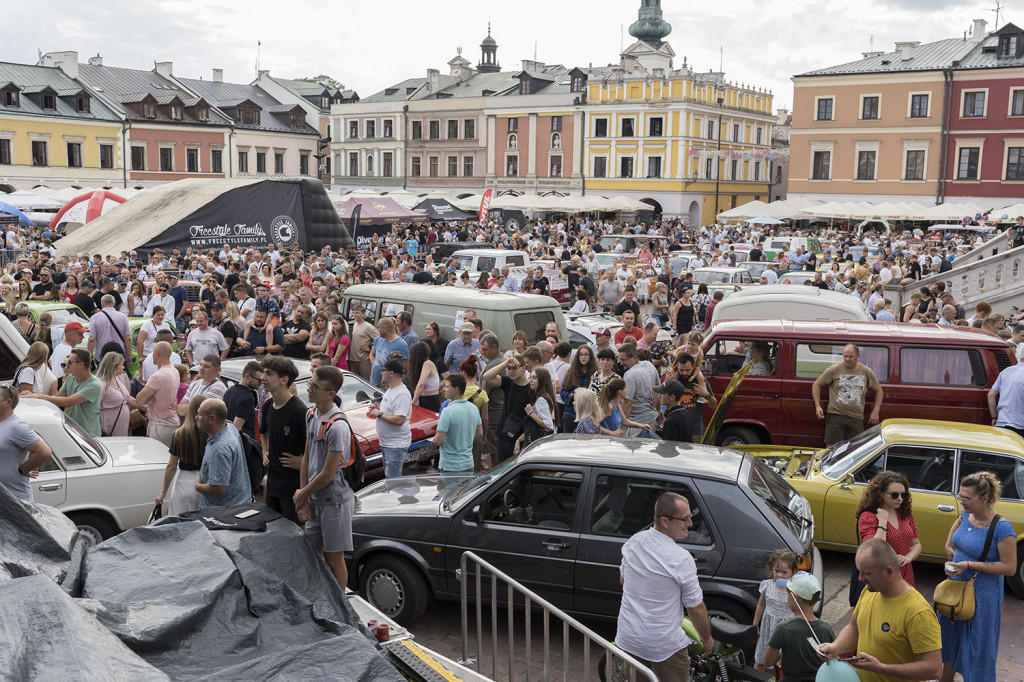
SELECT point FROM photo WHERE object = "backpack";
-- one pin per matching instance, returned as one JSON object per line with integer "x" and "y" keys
{"x": 253, "y": 461}
{"x": 945, "y": 265}
{"x": 355, "y": 469}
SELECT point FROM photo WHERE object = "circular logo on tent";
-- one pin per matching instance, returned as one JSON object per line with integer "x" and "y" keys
{"x": 512, "y": 225}
{"x": 285, "y": 231}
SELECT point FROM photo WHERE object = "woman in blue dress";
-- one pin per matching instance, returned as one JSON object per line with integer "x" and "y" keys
{"x": 969, "y": 647}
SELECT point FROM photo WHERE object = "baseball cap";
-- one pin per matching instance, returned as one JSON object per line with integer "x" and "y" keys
{"x": 74, "y": 327}
{"x": 216, "y": 306}
{"x": 396, "y": 366}
{"x": 671, "y": 387}
{"x": 803, "y": 584}
{"x": 467, "y": 327}
{"x": 602, "y": 331}
{"x": 87, "y": 283}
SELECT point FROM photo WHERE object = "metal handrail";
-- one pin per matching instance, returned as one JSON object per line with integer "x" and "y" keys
{"x": 531, "y": 599}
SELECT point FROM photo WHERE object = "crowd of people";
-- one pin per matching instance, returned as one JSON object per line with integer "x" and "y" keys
{"x": 494, "y": 395}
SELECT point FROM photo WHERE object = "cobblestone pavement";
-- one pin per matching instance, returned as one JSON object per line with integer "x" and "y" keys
{"x": 441, "y": 629}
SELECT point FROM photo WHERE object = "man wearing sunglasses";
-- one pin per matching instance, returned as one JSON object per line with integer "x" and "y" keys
{"x": 659, "y": 578}
{"x": 81, "y": 393}
{"x": 17, "y": 439}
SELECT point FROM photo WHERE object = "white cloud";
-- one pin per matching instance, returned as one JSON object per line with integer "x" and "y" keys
{"x": 368, "y": 46}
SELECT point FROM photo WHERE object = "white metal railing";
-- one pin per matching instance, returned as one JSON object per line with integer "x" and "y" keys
{"x": 627, "y": 663}
{"x": 991, "y": 273}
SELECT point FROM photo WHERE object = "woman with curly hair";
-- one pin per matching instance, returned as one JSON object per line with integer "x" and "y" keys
{"x": 422, "y": 377}
{"x": 885, "y": 512}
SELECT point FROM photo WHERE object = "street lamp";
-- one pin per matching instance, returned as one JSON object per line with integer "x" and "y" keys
{"x": 718, "y": 159}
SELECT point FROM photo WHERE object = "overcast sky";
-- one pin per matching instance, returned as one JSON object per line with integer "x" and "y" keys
{"x": 370, "y": 45}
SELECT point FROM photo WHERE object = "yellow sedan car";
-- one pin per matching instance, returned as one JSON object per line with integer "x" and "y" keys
{"x": 933, "y": 455}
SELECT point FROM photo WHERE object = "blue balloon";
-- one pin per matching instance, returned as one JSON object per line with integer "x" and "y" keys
{"x": 977, "y": 215}
{"x": 1003, "y": 217}
{"x": 836, "y": 671}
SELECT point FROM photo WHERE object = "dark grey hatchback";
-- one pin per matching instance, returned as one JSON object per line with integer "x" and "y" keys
{"x": 555, "y": 519}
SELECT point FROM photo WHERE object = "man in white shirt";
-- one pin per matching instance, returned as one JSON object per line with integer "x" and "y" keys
{"x": 208, "y": 383}
{"x": 74, "y": 332}
{"x": 204, "y": 340}
{"x": 393, "y": 415}
{"x": 659, "y": 578}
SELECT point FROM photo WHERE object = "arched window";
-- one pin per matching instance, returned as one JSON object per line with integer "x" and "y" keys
{"x": 369, "y": 165}
{"x": 556, "y": 140}
{"x": 513, "y": 141}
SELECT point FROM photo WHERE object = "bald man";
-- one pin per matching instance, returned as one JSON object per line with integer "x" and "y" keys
{"x": 223, "y": 478}
{"x": 160, "y": 396}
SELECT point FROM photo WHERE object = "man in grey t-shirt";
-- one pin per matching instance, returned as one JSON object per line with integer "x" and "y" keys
{"x": 641, "y": 378}
{"x": 609, "y": 291}
{"x": 17, "y": 437}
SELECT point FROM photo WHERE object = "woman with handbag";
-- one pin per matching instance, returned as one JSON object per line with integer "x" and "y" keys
{"x": 541, "y": 416}
{"x": 982, "y": 548}
{"x": 116, "y": 401}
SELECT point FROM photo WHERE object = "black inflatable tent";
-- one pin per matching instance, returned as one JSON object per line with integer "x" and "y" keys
{"x": 206, "y": 214}
{"x": 439, "y": 209}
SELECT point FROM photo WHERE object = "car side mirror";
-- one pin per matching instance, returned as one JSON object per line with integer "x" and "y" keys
{"x": 377, "y": 397}
{"x": 846, "y": 482}
{"x": 474, "y": 514}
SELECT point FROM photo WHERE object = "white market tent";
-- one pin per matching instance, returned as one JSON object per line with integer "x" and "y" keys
{"x": 749, "y": 210}
{"x": 25, "y": 201}
{"x": 1011, "y": 213}
{"x": 405, "y": 198}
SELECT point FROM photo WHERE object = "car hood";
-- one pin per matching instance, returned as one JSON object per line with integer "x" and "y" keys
{"x": 419, "y": 495}
{"x": 715, "y": 424}
{"x": 134, "y": 451}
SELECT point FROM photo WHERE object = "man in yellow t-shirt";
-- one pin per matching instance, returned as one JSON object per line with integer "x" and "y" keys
{"x": 894, "y": 631}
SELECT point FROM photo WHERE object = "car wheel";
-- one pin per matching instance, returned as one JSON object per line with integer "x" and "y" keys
{"x": 733, "y": 611}
{"x": 1017, "y": 579}
{"x": 396, "y": 587}
{"x": 738, "y": 435}
{"x": 93, "y": 527}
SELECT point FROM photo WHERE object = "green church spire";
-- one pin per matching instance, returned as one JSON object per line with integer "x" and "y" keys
{"x": 649, "y": 26}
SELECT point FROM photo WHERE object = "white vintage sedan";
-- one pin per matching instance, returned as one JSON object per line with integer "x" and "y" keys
{"x": 104, "y": 485}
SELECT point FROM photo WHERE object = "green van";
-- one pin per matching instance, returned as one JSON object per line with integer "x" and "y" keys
{"x": 501, "y": 312}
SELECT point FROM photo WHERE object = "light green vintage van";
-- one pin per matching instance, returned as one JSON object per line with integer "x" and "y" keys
{"x": 501, "y": 312}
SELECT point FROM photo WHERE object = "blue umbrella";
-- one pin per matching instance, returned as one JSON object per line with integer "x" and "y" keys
{"x": 10, "y": 210}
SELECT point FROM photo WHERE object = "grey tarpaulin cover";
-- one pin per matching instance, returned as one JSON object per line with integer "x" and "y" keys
{"x": 172, "y": 601}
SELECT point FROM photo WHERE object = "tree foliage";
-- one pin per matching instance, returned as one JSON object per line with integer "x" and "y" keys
{"x": 323, "y": 78}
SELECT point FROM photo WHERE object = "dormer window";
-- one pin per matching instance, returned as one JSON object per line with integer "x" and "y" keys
{"x": 1009, "y": 45}
{"x": 325, "y": 101}
{"x": 49, "y": 101}
{"x": 202, "y": 114}
{"x": 149, "y": 110}
{"x": 525, "y": 86}
{"x": 82, "y": 104}
{"x": 250, "y": 116}
{"x": 11, "y": 98}
{"x": 297, "y": 120}
{"x": 175, "y": 112}
{"x": 577, "y": 84}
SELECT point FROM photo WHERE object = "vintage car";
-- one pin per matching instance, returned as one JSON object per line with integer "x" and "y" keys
{"x": 933, "y": 455}
{"x": 357, "y": 395}
{"x": 555, "y": 519}
{"x": 105, "y": 485}
{"x": 582, "y": 326}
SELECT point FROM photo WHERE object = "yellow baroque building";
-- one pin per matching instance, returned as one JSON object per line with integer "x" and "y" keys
{"x": 55, "y": 131}
{"x": 690, "y": 143}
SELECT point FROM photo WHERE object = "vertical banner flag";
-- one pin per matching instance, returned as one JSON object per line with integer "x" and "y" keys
{"x": 355, "y": 219}
{"x": 485, "y": 205}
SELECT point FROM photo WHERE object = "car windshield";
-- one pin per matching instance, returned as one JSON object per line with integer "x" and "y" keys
{"x": 457, "y": 496}
{"x": 90, "y": 445}
{"x": 783, "y": 499}
{"x": 711, "y": 277}
{"x": 62, "y": 316}
{"x": 841, "y": 458}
